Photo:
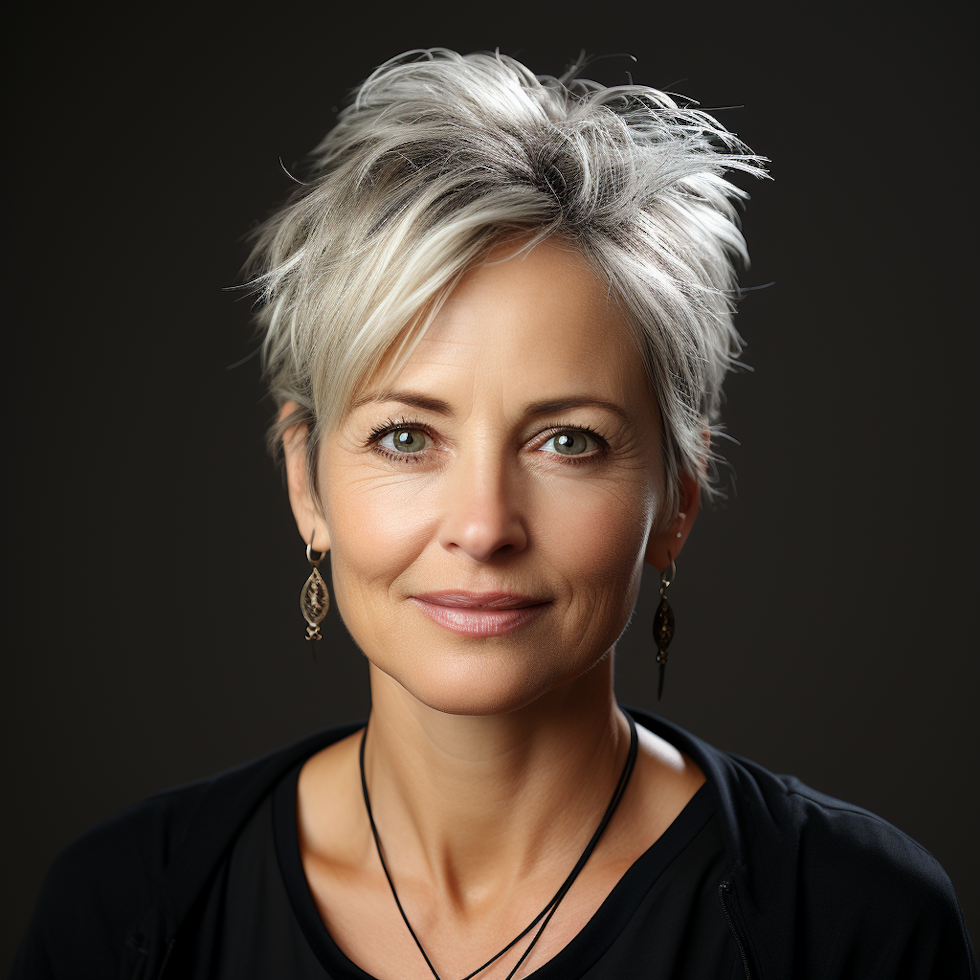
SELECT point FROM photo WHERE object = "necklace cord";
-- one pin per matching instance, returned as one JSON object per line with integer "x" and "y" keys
{"x": 549, "y": 910}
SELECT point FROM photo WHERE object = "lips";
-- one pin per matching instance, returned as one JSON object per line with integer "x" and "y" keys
{"x": 477, "y": 600}
{"x": 480, "y": 613}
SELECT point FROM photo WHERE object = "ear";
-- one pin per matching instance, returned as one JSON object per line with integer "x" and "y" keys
{"x": 667, "y": 543}
{"x": 309, "y": 520}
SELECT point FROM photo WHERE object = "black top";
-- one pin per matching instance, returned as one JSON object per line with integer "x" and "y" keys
{"x": 813, "y": 888}
{"x": 661, "y": 919}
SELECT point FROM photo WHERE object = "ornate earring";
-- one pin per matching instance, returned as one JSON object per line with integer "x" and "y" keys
{"x": 663, "y": 623}
{"x": 314, "y": 599}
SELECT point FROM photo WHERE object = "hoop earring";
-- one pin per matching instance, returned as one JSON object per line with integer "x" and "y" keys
{"x": 314, "y": 599}
{"x": 663, "y": 623}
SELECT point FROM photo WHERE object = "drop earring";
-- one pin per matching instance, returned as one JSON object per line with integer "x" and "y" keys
{"x": 663, "y": 623}
{"x": 314, "y": 599}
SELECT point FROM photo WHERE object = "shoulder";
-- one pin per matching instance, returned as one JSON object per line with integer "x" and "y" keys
{"x": 122, "y": 889}
{"x": 865, "y": 892}
{"x": 97, "y": 887}
{"x": 782, "y": 819}
{"x": 857, "y": 895}
{"x": 820, "y": 881}
{"x": 821, "y": 838}
{"x": 838, "y": 841}
{"x": 833, "y": 830}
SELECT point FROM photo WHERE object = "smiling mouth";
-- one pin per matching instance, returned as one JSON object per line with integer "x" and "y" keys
{"x": 480, "y": 613}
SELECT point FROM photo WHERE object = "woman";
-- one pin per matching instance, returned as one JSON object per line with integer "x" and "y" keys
{"x": 496, "y": 323}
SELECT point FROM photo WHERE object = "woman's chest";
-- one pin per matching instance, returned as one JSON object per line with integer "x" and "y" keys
{"x": 517, "y": 929}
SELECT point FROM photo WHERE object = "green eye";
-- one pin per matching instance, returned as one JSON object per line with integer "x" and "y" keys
{"x": 569, "y": 443}
{"x": 403, "y": 441}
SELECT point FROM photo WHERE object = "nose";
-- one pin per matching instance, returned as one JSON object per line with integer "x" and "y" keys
{"x": 483, "y": 512}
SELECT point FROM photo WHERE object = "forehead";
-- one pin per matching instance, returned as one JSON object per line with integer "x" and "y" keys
{"x": 539, "y": 323}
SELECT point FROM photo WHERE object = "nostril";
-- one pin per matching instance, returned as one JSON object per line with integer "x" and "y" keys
{"x": 482, "y": 509}
{"x": 485, "y": 534}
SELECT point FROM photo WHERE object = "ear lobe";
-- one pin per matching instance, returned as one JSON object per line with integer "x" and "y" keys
{"x": 666, "y": 544}
{"x": 309, "y": 521}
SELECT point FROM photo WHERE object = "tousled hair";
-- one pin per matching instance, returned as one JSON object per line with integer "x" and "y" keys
{"x": 438, "y": 158}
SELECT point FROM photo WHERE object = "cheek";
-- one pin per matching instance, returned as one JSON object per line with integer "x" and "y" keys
{"x": 376, "y": 532}
{"x": 596, "y": 543}
{"x": 602, "y": 527}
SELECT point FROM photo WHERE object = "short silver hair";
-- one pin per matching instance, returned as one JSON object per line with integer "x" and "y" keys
{"x": 440, "y": 156}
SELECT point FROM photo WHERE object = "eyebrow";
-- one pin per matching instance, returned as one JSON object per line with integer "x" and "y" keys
{"x": 580, "y": 401}
{"x": 424, "y": 402}
{"x": 533, "y": 410}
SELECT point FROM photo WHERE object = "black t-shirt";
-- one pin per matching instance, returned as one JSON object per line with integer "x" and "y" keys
{"x": 663, "y": 919}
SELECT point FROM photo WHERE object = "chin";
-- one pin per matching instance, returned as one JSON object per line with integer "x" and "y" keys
{"x": 481, "y": 686}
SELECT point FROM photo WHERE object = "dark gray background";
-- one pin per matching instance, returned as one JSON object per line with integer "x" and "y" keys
{"x": 822, "y": 623}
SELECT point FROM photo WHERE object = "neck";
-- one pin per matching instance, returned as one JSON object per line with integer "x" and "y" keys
{"x": 477, "y": 804}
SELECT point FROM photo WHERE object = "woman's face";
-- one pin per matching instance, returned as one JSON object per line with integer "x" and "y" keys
{"x": 489, "y": 509}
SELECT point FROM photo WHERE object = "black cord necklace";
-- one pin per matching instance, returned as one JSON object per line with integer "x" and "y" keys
{"x": 549, "y": 910}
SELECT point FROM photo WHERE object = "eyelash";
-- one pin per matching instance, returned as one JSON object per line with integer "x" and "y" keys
{"x": 393, "y": 425}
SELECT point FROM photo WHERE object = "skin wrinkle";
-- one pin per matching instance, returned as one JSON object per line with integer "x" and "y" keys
{"x": 490, "y": 759}
{"x": 436, "y": 351}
